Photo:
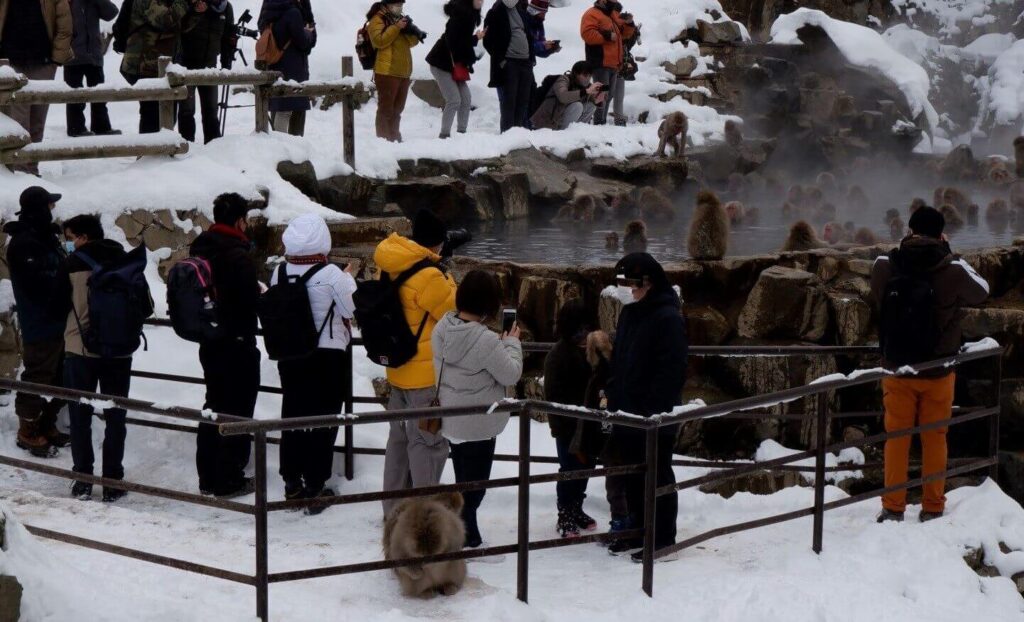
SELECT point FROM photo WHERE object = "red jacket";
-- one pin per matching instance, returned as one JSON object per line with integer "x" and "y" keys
{"x": 596, "y": 28}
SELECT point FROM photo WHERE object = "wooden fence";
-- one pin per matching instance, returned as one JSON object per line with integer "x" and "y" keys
{"x": 172, "y": 85}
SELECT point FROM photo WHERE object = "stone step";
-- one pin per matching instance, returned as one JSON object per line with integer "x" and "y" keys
{"x": 345, "y": 233}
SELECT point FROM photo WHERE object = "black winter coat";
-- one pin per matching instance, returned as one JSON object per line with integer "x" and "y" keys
{"x": 235, "y": 279}
{"x": 289, "y": 26}
{"x": 649, "y": 359}
{"x": 499, "y": 35}
{"x": 35, "y": 258}
{"x": 86, "y": 41}
{"x": 207, "y": 36}
{"x": 459, "y": 41}
{"x": 566, "y": 375}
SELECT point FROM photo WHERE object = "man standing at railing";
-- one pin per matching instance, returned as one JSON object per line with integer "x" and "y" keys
{"x": 920, "y": 289}
{"x": 208, "y": 34}
{"x": 154, "y": 31}
{"x": 647, "y": 376}
{"x": 35, "y": 36}
{"x": 87, "y": 66}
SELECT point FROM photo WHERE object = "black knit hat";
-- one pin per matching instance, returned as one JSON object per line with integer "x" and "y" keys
{"x": 927, "y": 221}
{"x": 640, "y": 266}
{"x": 428, "y": 230}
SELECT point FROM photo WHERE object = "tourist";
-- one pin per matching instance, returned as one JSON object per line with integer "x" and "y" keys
{"x": 648, "y": 372}
{"x": 312, "y": 385}
{"x": 231, "y": 364}
{"x": 510, "y": 44}
{"x": 536, "y": 13}
{"x": 154, "y": 30}
{"x": 87, "y": 66}
{"x": 451, "y": 61}
{"x": 415, "y": 454}
{"x": 566, "y": 377}
{"x": 34, "y": 258}
{"x": 604, "y": 29}
{"x": 35, "y": 36}
{"x": 474, "y": 367}
{"x": 208, "y": 33}
{"x": 573, "y": 98}
{"x": 393, "y": 36}
{"x": 296, "y": 37}
{"x": 923, "y": 270}
{"x": 87, "y": 370}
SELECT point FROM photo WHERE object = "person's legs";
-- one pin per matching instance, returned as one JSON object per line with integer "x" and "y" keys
{"x": 245, "y": 385}
{"x": 38, "y": 112}
{"x": 80, "y": 374}
{"x": 114, "y": 379}
{"x": 901, "y": 405}
{"x": 569, "y": 493}
{"x": 630, "y": 445}
{"x": 187, "y": 116}
{"x": 232, "y": 371}
{"x": 43, "y": 364}
{"x": 473, "y": 462}
{"x": 387, "y": 91}
{"x": 329, "y": 401}
{"x": 524, "y": 90}
{"x": 465, "y": 106}
{"x": 149, "y": 117}
{"x": 396, "y": 452}
{"x": 667, "y": 508}
{"x": 604, "y": 76}
{"x": 280, "y": 121}
{"x": 428, "y": 452}
{"x": 618, "y": 94}
{"x": 208, "y": 107}
{"x": 99, "y": 120}
{"x": 401, "y": 96}
{"x": 573, "y": 113}
{"x": 452, "y": 99}
{"x": 587, "y": 116}
{"x": 75, "y": 113}
{"x": 936, "y": 405}
{"x": 293, "y": 445}
{"x": 297, "y": 123}
{"x": 507, "y": 96}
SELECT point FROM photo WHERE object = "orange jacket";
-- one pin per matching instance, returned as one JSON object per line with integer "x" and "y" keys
{"x": 597, "y": 28}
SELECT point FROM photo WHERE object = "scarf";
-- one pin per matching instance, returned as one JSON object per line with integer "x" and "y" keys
{"x": 306, "y": 260}
{"x": 229, "y": 231}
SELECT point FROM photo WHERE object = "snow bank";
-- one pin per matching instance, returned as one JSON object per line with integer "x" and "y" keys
{"x": 950, "y": 14}
{"x": 864, "y": 47}
{"x": 988, "y": 47}
{"x": 9, "y": 128}
{"x": 1005, "y": 104}
{"x": 772, "y": 450}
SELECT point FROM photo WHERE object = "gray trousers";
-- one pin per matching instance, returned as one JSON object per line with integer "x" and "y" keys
{"x": 457, "y": 100}
{"x": 577, "y": 112}
{"x": 292, "y": 122}
{"x": 413, "y": 458}
{"x": 611, "y": 78}
{"x": 32, "y": 117}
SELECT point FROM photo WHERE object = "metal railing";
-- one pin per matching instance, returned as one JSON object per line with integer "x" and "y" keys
{"x": 650, "y": 427}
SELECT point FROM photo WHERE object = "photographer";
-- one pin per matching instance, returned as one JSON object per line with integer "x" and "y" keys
{"x": 154, "y": 31}
{"x": 573, "y": 98}
{"x": 605, "y": 29}
{"x": 451, "y": 61}
{"x": 296, "y": 37}
{"x": 393, "y": 35}
{"x": 208, "y": 33}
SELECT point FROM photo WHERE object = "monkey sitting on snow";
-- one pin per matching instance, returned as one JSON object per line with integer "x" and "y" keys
{"x": 672, "y": 131}
{"x": 709, "y": 229}
{"x": 423, "y": 526}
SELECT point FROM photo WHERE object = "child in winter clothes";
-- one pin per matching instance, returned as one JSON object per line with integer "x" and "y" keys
{"x": 317, "y": 384}
{"x": 474, "y": 366}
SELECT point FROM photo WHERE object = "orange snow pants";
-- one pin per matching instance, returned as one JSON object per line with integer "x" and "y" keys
{"x": 910, "y": 402}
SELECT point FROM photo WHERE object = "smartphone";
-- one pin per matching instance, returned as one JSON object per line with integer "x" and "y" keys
{"x": 604, "y": 88}
{"x": 508, "y": 320}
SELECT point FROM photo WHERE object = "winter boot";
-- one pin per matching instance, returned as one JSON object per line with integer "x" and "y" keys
{"x": 886, "y": 516}
{"x": 32, "y": 441}
{"x": 621, "y": 547}
{"x": 246, "y": 487}
{"x": 56, "y": 438}
{"x": 582, "y": 520}
{"x": 314, "y": 511}
{"x": 293, "y": 491}
{"x": 567, "y": 525}
{"x": 926, "y": 516}
{"x": 111, "y": 495}
{"x": 81, "y": 491}
{"x": 473, "y": 538}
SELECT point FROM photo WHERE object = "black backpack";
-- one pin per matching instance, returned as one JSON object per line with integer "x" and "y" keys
{"x": 908, "y": 333}
{"x": 289, "y": 331}
{"x": 387, "y": 336}
{"x": 119, "y": 303}
{"x": 192, "y": 301}
{"x": 122, "y": 28}
{"x": 541, "y": 93}
{"x": 365, "y": 51}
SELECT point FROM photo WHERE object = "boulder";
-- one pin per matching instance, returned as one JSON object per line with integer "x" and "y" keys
{"x": 549, "y": 179}
{"x": 131, "y": 227}
{"x": 706, "y": 326}
{"x": 10, "y": 599}
{"x": 302, "y": 175}
{"x": 1011, "y": 474}
{"x": 681, "y": 68}
{"x": 718, "y": 33}
{"x": 666, "y": 174}
{"x": 351, "y": 194}
{"x": 155, "y": 238}
{"x": 446, "y": 196}
{"x": 511, "y": 191}
{"x": 429, "y": 92}
{"x": 538, "y": 296}
{"x": 853, "y": 319}
{"x": 785, "y": 303}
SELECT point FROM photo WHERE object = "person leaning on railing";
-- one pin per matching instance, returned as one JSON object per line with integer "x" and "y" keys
{"x": 154, "y": 30}
{"x": 920, "y": 289}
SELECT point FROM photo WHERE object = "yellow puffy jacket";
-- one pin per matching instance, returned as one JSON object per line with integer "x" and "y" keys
{"x": 428, "y": 292}
{"x": 394, "y": 55}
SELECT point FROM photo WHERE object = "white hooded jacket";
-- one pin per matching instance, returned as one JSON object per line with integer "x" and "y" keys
{"x": 308, "y": 235}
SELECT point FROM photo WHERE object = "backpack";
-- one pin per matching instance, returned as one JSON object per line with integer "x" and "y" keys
{"x": 541, "y": 93}
{"x": 289, "y": 331}
{"x": 268, "y": 52}
{"x": 119, "y": 303}
{"x": 364, "y": 48}
{"x": 122, "y": 28}
{"x": 192, "y": 301}
{"x": 908, "y": 332}
{"x": 387, "y": 336}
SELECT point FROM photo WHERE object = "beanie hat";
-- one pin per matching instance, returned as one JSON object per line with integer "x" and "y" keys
{"x": 639, "y": 266}
{"x": 541, "y": 5}
{"x": 927, "y": 221}
{"x": 428, "y": 230}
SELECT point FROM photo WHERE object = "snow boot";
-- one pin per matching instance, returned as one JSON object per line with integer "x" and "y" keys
{"x": 247, "y": 487}
{"x": 81, "y": 491}
{"x": 293, "y": 491}
{"x": 473, "y": 538}
{"x": 53, "y": 435}
{"x": 638, "y": 557}
{"x": 582, "y": 519}
{"x": 621, "y": 547}
{"x": 315, "y": 511}
{"x": 111, "y": 495}
{"x": 567, "y": 526}
{"x": 886, "y": 516}
{"x": 31, "y": 440}
{"x": 926, "y": 516}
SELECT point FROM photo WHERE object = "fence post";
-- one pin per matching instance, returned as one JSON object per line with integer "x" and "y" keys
{"x": 650, "y": 507}
{"x": 262, "y": 583}
{"x": 166, "y": 106}
{"x": 262, "y": 107}
{"x": 993, "y": 423}
{"x": 350, "y": 466}
{"x": 348, "y": 125}
{"x": 523, "y": 555}
{"x": 819, "y": 471}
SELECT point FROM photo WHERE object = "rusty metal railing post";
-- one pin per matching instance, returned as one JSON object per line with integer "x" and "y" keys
{"x": 650, "y": 507}
{"x": 349, "y": 389}
{"x": 262, "y": 570}
{"x": 993, "y": 423}
{"x": 819, "y": 471}
{"x": 523, "y": 554}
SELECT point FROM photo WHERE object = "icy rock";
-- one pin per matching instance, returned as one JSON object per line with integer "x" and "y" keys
{"x": 351, "y": 194}
{"x": 718, "y": 33}
{"x": 429, "y": 92}
{"x": 785, "y": 303}
{"x": 10, "y": 598}
{"x": 681, "y": 68}
{"x": 667, "y": 174}
{"x": 853, "y": 319}
{"x": 758, "y": 483}
{"x": 302, "y": 175}
{"x": 511, "y": 193}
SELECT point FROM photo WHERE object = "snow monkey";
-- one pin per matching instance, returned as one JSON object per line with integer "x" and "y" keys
{"x": 997, "y": 171}
{"x": 802, "y": 237}
{"x": 952, "y": 215}
{"x": 891, "y": 214}
{"x": 865, "y": 237}
{"x": 956, "y": 198}
{"x": 673, "y": 130}
{"x": 423, "y": 526}
{"x": 835, "y": 233}
{"x": 582, "y": 209}
{"x": 736, "y": 212}
{"x": 611, "y": 241}
{"x": 709, "y": 229}
{"x": 733, "y": 135}
{"x": 655, "y": 206}
{"x": 897, "y": 229}
{"x": 635, "y": 239}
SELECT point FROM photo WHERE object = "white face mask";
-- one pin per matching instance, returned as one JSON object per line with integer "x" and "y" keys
{"x": 396, "y": 9}
{"x": 510, "y": 3}
{"x": 625, "y": 294}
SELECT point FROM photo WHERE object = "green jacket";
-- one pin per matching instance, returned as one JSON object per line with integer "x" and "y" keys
{"x": 155, "y": 32}
{"x": 207, "y": 36}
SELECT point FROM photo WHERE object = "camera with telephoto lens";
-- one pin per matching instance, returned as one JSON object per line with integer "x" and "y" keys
{"x": 413, "y": 29}
{"x": 240, "y": 26}
{"x": 453, "y": 240}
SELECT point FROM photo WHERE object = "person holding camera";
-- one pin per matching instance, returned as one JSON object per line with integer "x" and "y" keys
{"x": 511, "y": 45}
{"x": 573, "y": 98}
{"x": 604, "y": 29}
{"x": 208, "y": 32}
{"x": 451, "y": 61}
{"x": 536, "y": 13}
{"x": 393, "y": 35}
{"x": 296, "y": 37}
{"x": 154, "y": 30}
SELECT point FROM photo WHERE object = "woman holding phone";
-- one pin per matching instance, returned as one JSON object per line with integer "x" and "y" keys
{"x": 474, "y": 366}
{"x": 451, "y": 62}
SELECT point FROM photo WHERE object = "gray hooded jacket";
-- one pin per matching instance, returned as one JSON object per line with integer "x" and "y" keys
{"x": 477, "y": 368}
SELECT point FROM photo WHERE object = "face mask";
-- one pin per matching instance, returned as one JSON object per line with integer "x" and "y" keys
{"x": 69, "y": 246}
{"x": 510, "y": 3}
{"x": 396, "y": 9}
{"x": 625, "y": 294}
